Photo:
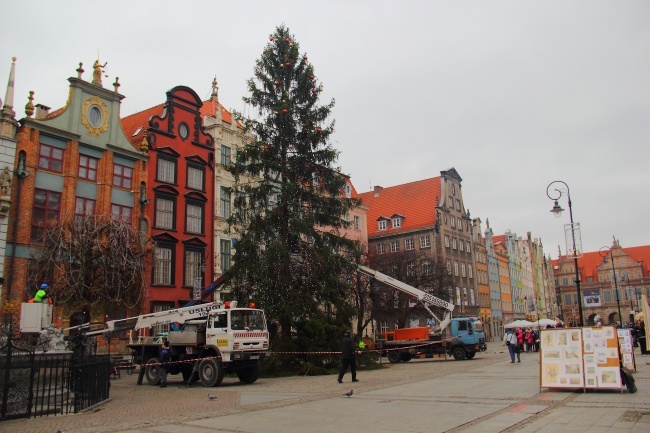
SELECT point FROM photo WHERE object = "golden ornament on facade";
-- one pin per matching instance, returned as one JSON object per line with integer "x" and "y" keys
{"x": 94, "y": 116}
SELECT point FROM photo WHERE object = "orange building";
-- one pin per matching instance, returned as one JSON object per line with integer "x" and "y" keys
{"x": 179, "y": 202}
{"x": 73, "y": 161}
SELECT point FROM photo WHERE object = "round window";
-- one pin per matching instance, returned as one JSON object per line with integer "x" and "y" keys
{"x": 95, "y": 116}
{"x": 183, "y": 130}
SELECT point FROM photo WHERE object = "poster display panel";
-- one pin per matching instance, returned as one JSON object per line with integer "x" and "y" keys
{"x": 561, "y": 358}
{"x": 601, "y": 357}
{"x": 626, "y": 345}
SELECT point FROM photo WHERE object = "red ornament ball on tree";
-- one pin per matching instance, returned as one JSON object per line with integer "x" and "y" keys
{"x": 318, "y": 129}
{"x": 271, "y": 39}
{"x": 288, "y": 63}
{"x": 284, "y": 110}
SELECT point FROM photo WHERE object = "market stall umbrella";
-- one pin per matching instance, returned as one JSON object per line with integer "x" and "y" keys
{"x": 520, "y": 324}
{"x": 543, "y": 323}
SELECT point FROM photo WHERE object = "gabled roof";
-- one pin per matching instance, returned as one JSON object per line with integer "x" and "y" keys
{"x": 590, "y": 261}
{"x": 416, "y": 201}
{"x": 498, "y": 239}
{"x": 135, "y": 124}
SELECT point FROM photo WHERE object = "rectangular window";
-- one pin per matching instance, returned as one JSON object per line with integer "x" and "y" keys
{"x": 381, "y": 249}
{"x": 83, "y": 207}
{"x": 195, "y": 178}
{"x": 121, "y": 213}
{"x": 383, "y": 326}
{"x": 457, "y": 204}
{"x": 565, "y": 281}
{"x": 192, "y": 268}
{"x": 470, "y": 271}
{"x": 424, "y": 242}
{"x": 394, "y": 246}
{"x": 409, "y": 244}
{"x": 460, "y": 225}
{"x": 166, "y": 171}
{"x": 454, "y": 243}
{"x": 607, "y": 296}
{"x": 122, "y": 176}
{"x": 426, "y": 267}
{"x": 449, "y": 266}
{"x": 463, "y": 270}
{"x": 225, "y": 155}
{"x": 357, "y": 222}
{"x": 410, "y": 269}
{"x": 397, "y": 222}
{"x": 456, "y": 268}
{"x": 194, "y": 215}
{"x": 468, "y": 249}
{"x": 45, "y": 214}
{"x": 567, "y": 299}
{"x": 446, "y": 241}
{"x": 224, "y": 248}
{"x": 88, "y": 167}
{"x": 382, "y": 225}
{"x": 164, "y": 213}
{"x": 224, "y": 203}
{"x": 50, "y": 158}
{"x": 461, "y": 245}
{"x": 453, "y": 221}
{"x": 162, "y": 274}
{"x": 157, "y": 308}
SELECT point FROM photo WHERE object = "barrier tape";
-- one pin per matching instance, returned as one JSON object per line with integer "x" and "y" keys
{"x": 388, "y": 349}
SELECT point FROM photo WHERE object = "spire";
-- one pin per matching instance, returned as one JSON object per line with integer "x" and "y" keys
{"x": 8, "y": 123}
{"x": 9, "y": 96}
{"x": 215, "y": 90}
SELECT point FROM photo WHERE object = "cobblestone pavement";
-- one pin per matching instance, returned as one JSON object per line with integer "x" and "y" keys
{"x": 484, "y": 394}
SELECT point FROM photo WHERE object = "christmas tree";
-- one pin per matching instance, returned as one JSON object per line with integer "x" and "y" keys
{"x": 290, "y": 199}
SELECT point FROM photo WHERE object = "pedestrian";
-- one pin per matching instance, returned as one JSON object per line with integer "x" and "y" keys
{"x": 194, "y": 375}
{"x": 162, "y": 366}
{"x": 520, "y": 343}
{"x": 530, "y": 339}
{"x": 348, "y": 357}
{"x": 510, "y": 340}
{"x": 41, "y": 294}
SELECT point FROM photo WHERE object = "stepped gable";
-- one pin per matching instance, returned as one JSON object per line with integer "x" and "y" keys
{"x": 415, "y": 201}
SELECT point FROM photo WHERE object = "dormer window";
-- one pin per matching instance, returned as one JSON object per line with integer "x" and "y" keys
{"x": 396, "y": 222}
{"x": 382, "y": 225}
{"x": 348, "y": 190}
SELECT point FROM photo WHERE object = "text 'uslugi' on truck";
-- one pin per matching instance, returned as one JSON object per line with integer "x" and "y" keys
{"x": 460, "y": 337}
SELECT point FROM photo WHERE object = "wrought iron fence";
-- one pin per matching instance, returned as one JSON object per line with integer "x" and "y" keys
{"x": 35, "y": 383}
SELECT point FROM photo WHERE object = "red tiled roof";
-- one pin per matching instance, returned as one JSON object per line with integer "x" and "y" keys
{"x": 590, "y": 261}
{"x": 130, "y": 124}
{"x": 416, "y": 201}
{"x": 139, "y": 122}
{"x": 498, "y": 239}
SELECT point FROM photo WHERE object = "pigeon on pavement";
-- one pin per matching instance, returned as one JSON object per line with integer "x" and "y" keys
{"x": 348, "y": 394}
{"x": 211, "y": 396}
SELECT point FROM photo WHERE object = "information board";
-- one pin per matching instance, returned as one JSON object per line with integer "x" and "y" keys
{"x": 561, "y": 358}
{"x": 601, "y": 357}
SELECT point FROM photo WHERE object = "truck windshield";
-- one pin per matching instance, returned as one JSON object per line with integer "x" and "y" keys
{"x": 247, "y": 319}
{"x": 478, "y": 326}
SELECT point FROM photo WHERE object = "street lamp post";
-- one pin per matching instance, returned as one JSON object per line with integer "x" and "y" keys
{"x": 618, "y": 297}
{"x": 557, "y": 211}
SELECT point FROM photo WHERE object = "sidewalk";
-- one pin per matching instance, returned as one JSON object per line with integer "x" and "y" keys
{"x": 486, "y": 394}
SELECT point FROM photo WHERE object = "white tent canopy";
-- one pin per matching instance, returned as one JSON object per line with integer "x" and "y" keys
{"x": 521, "y": 324}
{"x": 543, "y": 323}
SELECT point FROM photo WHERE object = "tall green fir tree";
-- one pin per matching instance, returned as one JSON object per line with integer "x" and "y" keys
{"x": 290, "y": 199}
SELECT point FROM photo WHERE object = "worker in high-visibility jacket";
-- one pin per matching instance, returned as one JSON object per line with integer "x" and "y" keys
{"x": 41, "y": 294}
{"x": 362, "y": 345}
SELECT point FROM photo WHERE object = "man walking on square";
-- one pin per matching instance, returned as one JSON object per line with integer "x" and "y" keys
{"x": 348, "y": 355}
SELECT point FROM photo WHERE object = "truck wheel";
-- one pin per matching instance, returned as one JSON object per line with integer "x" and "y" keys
{"x": 250, "y": 374}
{"x": 187, "y": 372}
{"x": 393, "y": 357}
{"x": 458, "y": 353}
{"x": 470, "y": 355}
{"x": 405, "y": 357}
{"x": 211, "y": 372}
{"x": 151, "y": 371}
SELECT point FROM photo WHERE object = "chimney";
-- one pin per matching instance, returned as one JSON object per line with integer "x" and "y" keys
{"x": 42, "y": 111}
{"x": 377, "y": 190}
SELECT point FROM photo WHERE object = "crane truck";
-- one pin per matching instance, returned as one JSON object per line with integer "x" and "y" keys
{"x": 460, "y": 337}
{"x": 214, "y": 339}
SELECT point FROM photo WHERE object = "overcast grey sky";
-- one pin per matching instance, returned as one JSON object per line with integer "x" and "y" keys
{"x": 513, "y": 94}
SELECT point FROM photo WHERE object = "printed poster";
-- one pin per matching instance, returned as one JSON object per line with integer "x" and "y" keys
{"x": 601, "y": 357}
{"x": 626, "y": 346}
{"x": 561, "y": 358}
